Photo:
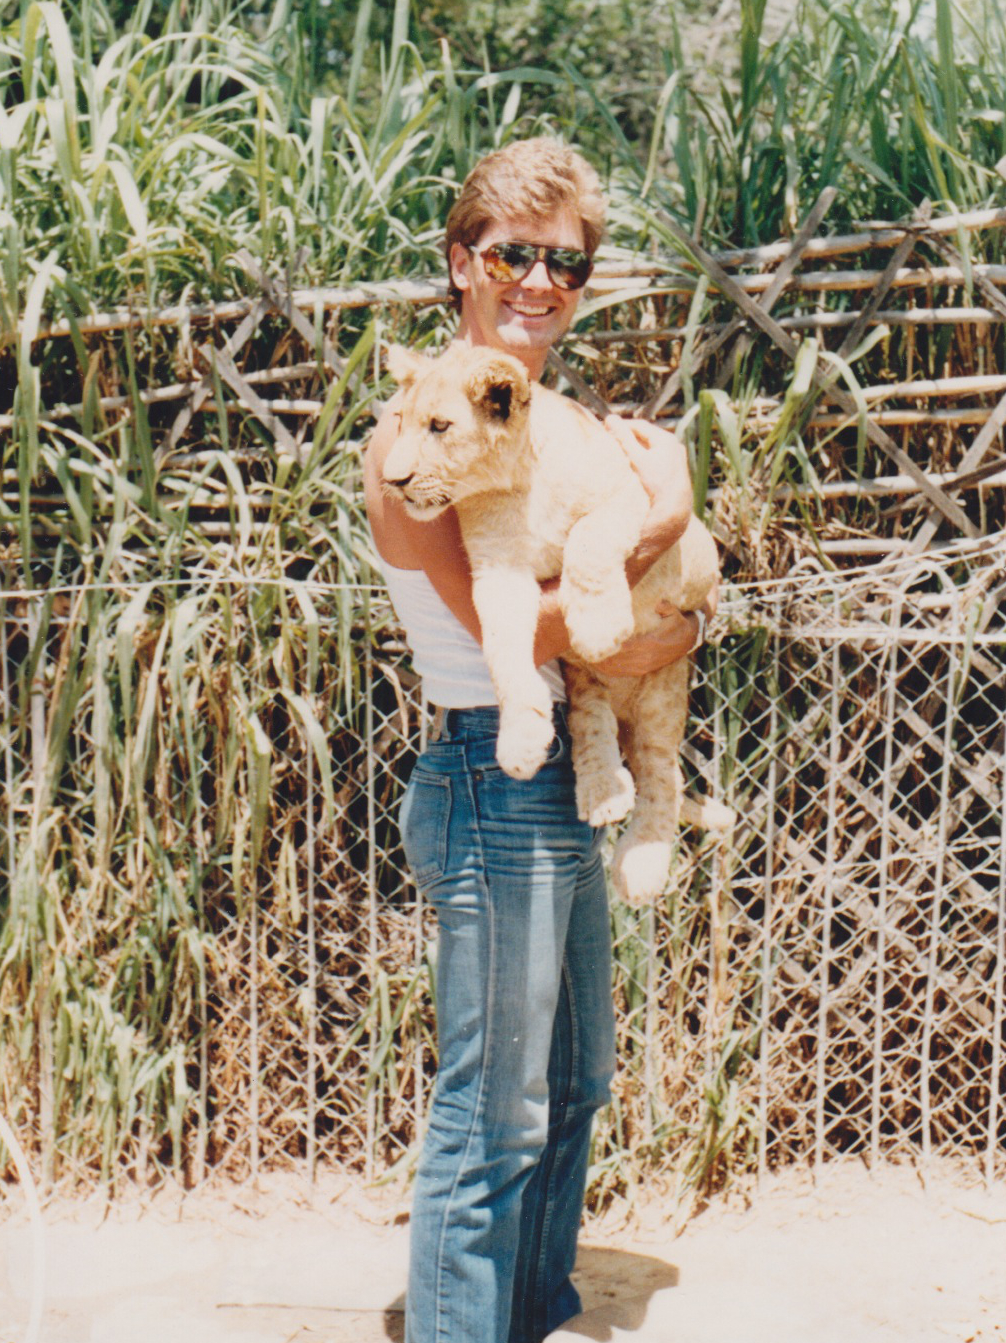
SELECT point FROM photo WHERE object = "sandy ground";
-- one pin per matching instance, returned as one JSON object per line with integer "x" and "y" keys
{"x": 853, "y": 1258}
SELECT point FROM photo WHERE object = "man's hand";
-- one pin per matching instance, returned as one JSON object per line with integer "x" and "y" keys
{"x": 661, "y": 462}
{"x": 659, "y": 459}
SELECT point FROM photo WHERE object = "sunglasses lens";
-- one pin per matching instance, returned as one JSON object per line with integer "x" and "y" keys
{"x": 508, "y": 261}
{"x": 568, "y": 267}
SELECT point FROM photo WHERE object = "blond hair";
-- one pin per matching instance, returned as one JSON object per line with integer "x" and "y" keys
{"x": 529, "y": 179}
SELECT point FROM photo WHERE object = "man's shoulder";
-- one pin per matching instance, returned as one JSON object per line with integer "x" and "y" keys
{"x": 385, "y": 431}
{"x": 389, "y": 416}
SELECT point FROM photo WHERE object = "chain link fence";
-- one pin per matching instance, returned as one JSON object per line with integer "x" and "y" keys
{"x": 825, "y": 980}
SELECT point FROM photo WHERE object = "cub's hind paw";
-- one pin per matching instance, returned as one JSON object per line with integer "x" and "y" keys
{"x": 523, "y": 742}
{"x": 641, "y": 870}
{"x": 604, "y": 798}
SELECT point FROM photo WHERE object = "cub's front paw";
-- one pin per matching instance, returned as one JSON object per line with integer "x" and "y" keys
{"x": 523, "y": 742}
{"x": 598, "y": 623}
{"x": 604, "y": 797}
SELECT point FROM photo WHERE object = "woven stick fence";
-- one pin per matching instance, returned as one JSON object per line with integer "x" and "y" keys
{"x": 961, "y": 343}
{"x": 212, "y": 958}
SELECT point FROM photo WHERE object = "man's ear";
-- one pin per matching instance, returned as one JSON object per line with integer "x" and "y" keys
{"x": 405, "y": 366}
{"x": 500, "y": 388}
{"x": 459, "y": 261}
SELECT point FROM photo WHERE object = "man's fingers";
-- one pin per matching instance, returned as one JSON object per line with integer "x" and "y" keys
{"x": 624, "y": 432}
{"x": 629, "y": 441}
{"x": 643, "y": 436}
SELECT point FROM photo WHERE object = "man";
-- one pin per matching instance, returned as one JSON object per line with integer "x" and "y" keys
{"x": 524, "y": 1013}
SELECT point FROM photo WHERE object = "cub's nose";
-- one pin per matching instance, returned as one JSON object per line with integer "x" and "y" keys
{"x": 399, "y": 482}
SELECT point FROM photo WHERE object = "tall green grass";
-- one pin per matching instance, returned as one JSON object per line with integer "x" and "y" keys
{"x": 865, "y": 98}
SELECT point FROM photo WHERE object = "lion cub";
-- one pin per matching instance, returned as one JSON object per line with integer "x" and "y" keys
{"x": 541, "y": 489}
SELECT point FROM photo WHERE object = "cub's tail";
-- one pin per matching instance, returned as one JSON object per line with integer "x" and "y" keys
{"x": 707, "y": 814}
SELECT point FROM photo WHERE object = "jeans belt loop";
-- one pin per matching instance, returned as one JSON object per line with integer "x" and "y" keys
{"x": 437, "y": 726}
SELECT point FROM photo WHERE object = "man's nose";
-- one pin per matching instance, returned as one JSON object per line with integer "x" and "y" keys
{"x": 537, "y": 277}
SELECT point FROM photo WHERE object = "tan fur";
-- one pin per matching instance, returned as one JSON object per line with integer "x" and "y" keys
{"x": 541, "y": 489}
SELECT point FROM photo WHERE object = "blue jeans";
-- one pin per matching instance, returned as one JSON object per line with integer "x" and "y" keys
{"x": 526, "y": 1033}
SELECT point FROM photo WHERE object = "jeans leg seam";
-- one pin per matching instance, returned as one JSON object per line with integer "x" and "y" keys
{"x": 577, "y": 1036}
{"x": 546, "y": 1222}
{"x": 479, "y": 1100}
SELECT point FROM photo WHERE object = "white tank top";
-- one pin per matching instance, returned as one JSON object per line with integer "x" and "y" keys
{"x": 445, "y": 655}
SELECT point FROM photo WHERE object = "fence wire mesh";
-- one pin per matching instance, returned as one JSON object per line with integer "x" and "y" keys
{"x": 827, "y": 979}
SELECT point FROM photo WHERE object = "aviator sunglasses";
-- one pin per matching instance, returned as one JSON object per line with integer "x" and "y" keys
{"x": 508, "y": 262}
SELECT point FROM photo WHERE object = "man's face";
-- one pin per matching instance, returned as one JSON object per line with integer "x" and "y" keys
{"x": 527, "y": 316}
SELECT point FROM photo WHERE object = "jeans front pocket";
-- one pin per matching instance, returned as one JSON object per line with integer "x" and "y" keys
{"x": 423, "y": 821}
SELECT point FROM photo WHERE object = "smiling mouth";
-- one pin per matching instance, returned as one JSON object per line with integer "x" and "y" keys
{"x": 531, "y": 309}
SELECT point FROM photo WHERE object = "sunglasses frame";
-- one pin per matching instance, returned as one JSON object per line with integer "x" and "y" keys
{"x": 542, "y": 253}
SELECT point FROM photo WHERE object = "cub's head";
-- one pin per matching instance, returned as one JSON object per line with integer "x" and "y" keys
{"x": 464, "y": 427}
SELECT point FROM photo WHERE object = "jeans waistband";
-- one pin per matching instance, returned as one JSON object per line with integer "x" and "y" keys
{"x": 482, "y": 721}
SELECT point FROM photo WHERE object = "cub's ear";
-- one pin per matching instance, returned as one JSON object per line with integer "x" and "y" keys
{"x": 405, "y": 366}
{"x": 500, "y": 388}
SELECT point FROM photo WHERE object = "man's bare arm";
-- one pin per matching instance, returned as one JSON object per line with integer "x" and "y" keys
{"x": 660, "y": 460}
{"x": 434, "y": 546}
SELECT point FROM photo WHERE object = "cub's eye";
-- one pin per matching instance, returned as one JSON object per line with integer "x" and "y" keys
{"x": 439, "y": 426}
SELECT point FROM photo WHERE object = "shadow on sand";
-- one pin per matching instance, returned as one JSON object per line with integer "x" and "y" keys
{"x": 615, "y": 1287}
